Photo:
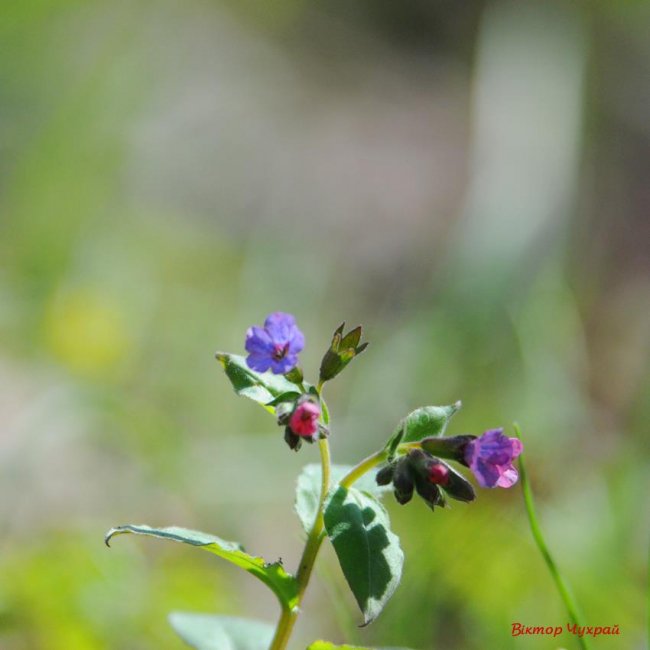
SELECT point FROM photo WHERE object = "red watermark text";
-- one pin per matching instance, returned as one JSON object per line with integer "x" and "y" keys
{"x": 519, "y": 629}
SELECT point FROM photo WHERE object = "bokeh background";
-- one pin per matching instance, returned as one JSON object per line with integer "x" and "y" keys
{"x": 469, "y": 180}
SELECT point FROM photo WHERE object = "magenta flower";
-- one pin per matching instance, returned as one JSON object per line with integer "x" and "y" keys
{"x": 304, "y": 420}
{"x": 276, "y": 346}
{"x": 490, "y": 458}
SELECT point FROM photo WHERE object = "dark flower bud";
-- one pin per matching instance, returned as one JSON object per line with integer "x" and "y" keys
{"x": 403, "y": 482}
{"x": 283, "y": 412}
{"x": 385, "y": 475}
{"x": 452, "y": 447}
{"x": 294, "y": 441}
{"x": 459, "y": 488}
{"x": 428, "y": 473}
{"x": 430, "y": 492}
{"x": 342, "y": 350}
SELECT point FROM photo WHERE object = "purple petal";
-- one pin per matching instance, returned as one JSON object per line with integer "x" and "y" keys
{"x": 486, "y": 474}
{"x": 517, "y": 447}
{"x": 297, "y": 343}
{"x": 281, "y": 327}
{"x": 258, "y": 362}
{"x": 490, "y": 458}
{"x": 508, "y": 477}
{"x": 258, "y": 341}
{"x": 494, "y": 447}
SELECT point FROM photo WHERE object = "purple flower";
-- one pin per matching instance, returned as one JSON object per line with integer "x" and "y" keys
{"x": 490, "y": 458}
{"x": 276, "y": 346}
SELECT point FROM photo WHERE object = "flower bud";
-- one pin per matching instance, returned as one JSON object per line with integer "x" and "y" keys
{"x": 294, "y": 441}
{"x": 451, "y": 448}
{"x": 459, "y": 488}
{"x": 385, "y": 475}
{"x": 342, "y": 350}
{"x": 295, "y": 375}
{"x": 403, "y": 482}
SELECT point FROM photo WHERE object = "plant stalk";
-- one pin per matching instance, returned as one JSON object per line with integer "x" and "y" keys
{"x": 312, "y": 546}
{"x": 560, "y": 582}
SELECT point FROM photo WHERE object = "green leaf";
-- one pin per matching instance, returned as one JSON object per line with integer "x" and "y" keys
{"x": 368, "y": 551}
{"x": 291, "y": 396}
{"x": 424, "y": 422}
{"x": 207, "y": 632}
{"x": 260, "y": 387}
{"x": 326, "y": 645}
{"x": 309, "y": 484}
{"x": 272, "y": 575}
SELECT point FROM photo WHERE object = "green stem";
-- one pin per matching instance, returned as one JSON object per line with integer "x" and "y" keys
{"x": 560, "y": 582}
{"x": 364, "y": 466}
{"x": 312, "y": 546}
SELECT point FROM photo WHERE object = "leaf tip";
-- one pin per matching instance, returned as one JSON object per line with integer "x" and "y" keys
{"x": 108, "y": 536}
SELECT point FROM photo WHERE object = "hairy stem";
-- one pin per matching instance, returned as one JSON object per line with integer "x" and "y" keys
{"x": 560, "y": 582}
{"x": 312, "y": 546}
{"x": 364, "y": 466}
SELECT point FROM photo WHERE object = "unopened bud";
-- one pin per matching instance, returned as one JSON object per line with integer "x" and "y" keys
{"x": 452, "y": 447}
{"x": 341, "y": 351}
{"x": 304, "y": 420}
{"x": 403, "y": 482}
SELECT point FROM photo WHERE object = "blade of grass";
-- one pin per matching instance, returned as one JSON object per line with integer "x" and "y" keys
{"x": 560, "y": 582}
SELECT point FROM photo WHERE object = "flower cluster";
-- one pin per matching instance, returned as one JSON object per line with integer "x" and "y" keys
{"x": 489, "y": 457}
{"x": 275, "y": 347}
{"x": 429, "y": 476}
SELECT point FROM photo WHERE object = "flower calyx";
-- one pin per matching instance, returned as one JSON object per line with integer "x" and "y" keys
{"x": 341, "y": 351}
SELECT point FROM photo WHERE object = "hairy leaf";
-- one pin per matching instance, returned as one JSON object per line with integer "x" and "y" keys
{"x": 260, "y": 387}
{"x": 424, "y": 422}
{"x": 326, "y": 645}
{"x": 272, "y": 575}
{"x": 309, "y": 485}
{"x": 208, "y": 632}
{"x": 368, "y": 551}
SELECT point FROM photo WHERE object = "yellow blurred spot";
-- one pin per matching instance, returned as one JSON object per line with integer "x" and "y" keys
{"x": 85, "y": 331}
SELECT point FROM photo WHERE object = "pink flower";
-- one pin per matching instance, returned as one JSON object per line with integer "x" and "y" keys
{"x": 304, "y": 420}
{"x": 490, "y": 458}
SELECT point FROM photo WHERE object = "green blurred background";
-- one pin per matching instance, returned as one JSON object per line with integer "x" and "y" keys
{"x": 469, "y": 180}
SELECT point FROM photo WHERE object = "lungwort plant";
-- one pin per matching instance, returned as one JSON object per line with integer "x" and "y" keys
{"x": 341, "y": 504}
